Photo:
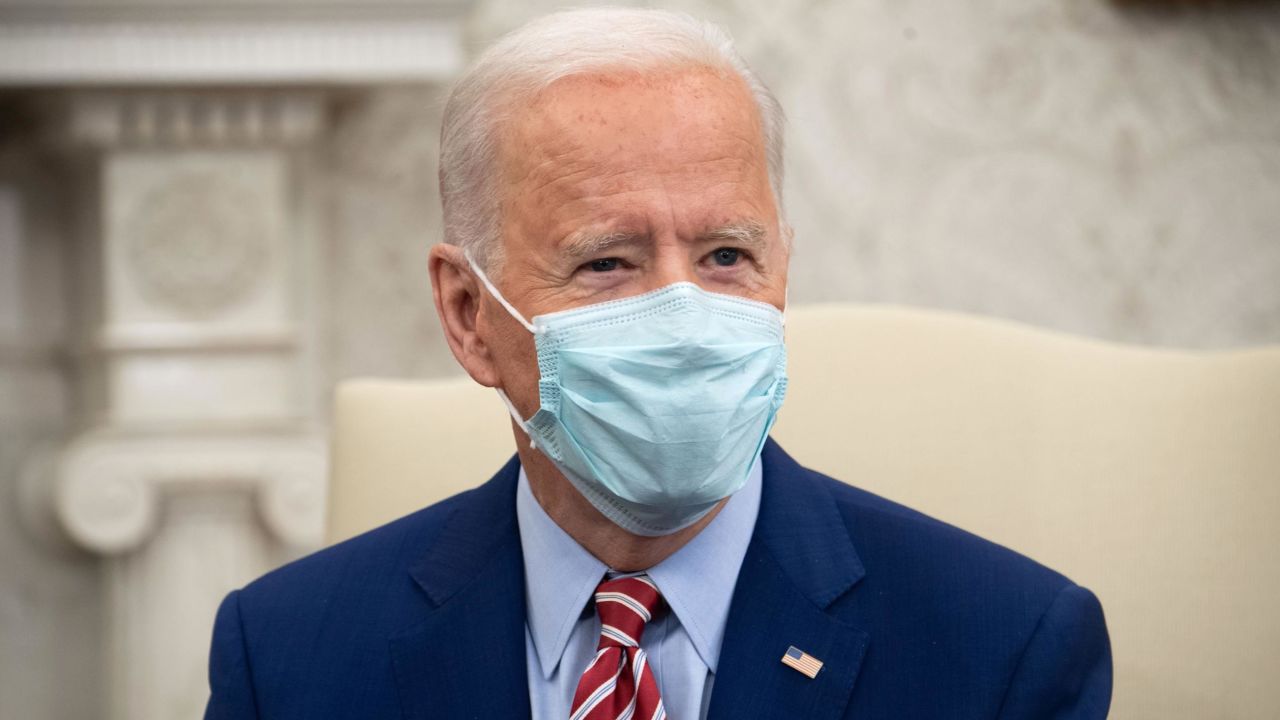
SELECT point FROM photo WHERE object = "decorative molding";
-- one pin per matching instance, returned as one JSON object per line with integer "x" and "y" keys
{"x": 197, "y": 244}
{"x": 104, "y": 503}
{"x": 204, "y": 310}
{"x": 291, "y": 497}
{"x": 109, "y": 486}
{"x": 193, "y": 337}
{"x": 150, "y": 42}
{"x": 187, "y": 118}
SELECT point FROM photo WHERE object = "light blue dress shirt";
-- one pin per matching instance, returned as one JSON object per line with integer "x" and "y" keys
{"x": 697, "y": 581}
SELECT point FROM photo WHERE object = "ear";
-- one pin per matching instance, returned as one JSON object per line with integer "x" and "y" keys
{"x": 457, "y": 295}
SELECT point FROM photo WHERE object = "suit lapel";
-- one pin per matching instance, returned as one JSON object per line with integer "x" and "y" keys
{"x": 467, "y": 658}
{"x": 799, "y": 562}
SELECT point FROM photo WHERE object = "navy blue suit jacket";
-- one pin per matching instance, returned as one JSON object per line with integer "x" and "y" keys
{"x": 913, "y": 618}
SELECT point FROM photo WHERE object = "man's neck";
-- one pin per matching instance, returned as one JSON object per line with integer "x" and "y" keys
{"x": 615, "y": 547}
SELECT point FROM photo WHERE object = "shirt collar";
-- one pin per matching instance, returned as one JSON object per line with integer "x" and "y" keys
{"x": 697, "y": 581}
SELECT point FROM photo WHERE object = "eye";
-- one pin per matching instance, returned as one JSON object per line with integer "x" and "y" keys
{"x": 726, "y": 256}
{"x": 603, "y": 265}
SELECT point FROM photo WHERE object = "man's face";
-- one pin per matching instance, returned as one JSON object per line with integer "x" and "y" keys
{"x": 613, "y": 187}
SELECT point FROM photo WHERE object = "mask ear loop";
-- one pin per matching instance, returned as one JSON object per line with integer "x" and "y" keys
{"x": 515, "y": 415}
{"x": 488, "y": 285}
{"x": 484, "y": 279}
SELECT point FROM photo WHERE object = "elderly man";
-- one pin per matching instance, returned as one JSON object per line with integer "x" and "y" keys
{"x": 615, "y": 265}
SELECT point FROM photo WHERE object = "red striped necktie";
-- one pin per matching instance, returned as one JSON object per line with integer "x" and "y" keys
{"x": 619, "y": 684}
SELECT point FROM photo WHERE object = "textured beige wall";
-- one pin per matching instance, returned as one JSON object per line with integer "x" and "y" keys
{"x": 1074, "y": 165}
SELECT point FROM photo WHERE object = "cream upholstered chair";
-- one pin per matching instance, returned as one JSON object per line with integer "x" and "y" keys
{"x": 1152, "y": 477}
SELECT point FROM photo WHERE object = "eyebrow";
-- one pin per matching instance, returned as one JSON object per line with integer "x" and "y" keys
{"x": 750, "y": 235}
{"x": 582, "y": 245}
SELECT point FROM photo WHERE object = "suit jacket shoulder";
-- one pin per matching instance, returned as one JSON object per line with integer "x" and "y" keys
{"x": 311, "y": 639}
{"x": 952, "y": 625}
{"x": 899, "y": 545}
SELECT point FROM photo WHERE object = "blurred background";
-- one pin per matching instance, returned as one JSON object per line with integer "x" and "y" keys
{"x": 213, "y": 210}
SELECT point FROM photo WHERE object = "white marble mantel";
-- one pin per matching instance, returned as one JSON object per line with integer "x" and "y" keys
{"x": 194, "y": 271}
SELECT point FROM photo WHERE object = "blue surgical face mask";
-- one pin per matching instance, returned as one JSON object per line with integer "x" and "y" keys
{"x": 656, "y": 406}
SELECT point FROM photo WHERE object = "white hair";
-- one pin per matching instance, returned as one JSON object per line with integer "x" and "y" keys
{"x": 553, "y": 47}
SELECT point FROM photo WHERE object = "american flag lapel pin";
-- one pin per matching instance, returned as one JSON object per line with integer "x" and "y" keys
{"x": 802, "y": 662}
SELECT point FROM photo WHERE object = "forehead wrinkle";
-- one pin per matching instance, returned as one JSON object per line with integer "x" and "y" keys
{"x": 556, "y": 171}
{"x": 566, "y": 137}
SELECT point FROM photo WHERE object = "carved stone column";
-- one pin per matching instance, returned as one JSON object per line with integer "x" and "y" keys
{"x": 201, "y": 463}
{"x": 189, "y": 134}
